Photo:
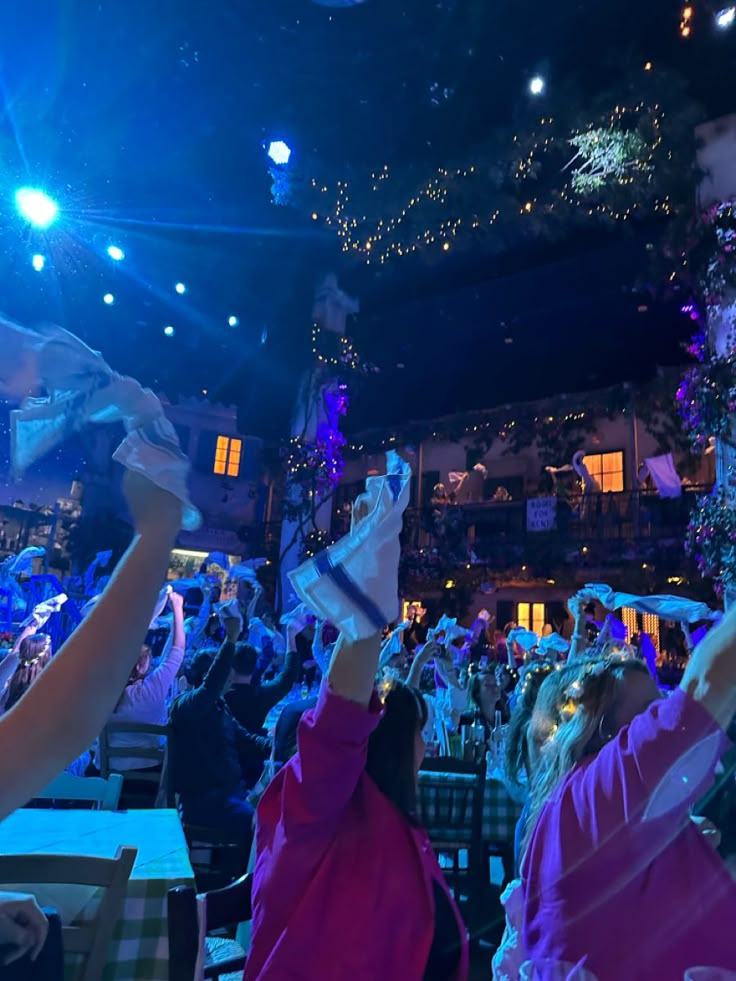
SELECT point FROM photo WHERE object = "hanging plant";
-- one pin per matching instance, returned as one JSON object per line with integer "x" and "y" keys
{"x": 711, "y": 538}
{"x": 706, "y": 397}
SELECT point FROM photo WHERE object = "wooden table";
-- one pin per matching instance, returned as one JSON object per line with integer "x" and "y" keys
{"x": 140, "y": 946}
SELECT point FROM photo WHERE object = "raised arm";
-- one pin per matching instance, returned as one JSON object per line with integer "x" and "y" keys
{"x": 431, "y": 649}
{"x": 332, "y": 743}
{"x": 162, "y": 676}
{"x": 73, "y": 698}
{"x": 579, "y": 640}
{"x": 352, "y": 673}
{"x": 710, "y": 677}
{"x": 218, "y": 675}
{"x": 281, "y": 685}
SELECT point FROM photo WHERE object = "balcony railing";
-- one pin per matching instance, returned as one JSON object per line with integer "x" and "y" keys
{"x": 611, "y": 527}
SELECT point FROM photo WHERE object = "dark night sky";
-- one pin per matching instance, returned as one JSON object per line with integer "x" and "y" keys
{"x": 147, "y": 122}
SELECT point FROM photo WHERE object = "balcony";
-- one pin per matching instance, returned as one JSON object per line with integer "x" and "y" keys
{"x": 605, "y": 530}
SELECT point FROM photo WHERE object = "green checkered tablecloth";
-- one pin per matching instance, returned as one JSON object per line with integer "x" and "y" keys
{"x": 500, "y": 811}
{"x": 140, "y": 947}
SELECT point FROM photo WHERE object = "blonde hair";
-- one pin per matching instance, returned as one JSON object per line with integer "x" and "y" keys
{"x": 577, "y": 728}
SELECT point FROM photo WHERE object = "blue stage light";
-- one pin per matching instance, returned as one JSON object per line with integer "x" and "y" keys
{"x": 725, "y": 18}
{"x": 169, "y": 330}
{"x": 39, "y": 261}
{"x": 115, "y": 252}
{"x": 36, "y": 206}
{"x": 180, "y": 289}
{"x": 109, "y": 299}
{"x": 233, "y": 321}
{"x": 279, "y": 152}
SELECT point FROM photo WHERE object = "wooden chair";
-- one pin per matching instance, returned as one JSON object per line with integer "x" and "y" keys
{"x": 150, "y": 785}
{"x": 91, "y": 941}
{"x": 216, "y": 859}
{"x": 105, "y": 793}
{"x": 452, "y": 813}
{"x": 224, "y": 909}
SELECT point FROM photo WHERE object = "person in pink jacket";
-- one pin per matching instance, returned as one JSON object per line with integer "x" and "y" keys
{"x": 346, "y": 883}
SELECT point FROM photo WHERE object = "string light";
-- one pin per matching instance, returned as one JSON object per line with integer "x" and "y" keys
{"x": 383, "y": 239}
{"x": 686, "y": 20}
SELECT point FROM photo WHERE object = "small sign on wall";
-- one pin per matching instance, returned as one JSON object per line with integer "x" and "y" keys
{"x": 541, "y": 514}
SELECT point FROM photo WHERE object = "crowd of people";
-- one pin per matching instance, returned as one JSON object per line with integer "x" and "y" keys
{"x": 303, "y": 745}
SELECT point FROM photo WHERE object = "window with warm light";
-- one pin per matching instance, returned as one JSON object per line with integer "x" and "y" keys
{"x": 608, "y": 470}
{"x": 228, "y": 452}
{"x": 531, "y": 616}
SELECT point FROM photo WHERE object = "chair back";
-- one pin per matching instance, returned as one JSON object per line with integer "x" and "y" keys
{"x": 222, "y": 908}
{"x": 105, "y": 793}
{"x": 451, "y": 800}
{"x": 109, "y": 754}
{"x": 92, "y": 940}
{"x": 156, "y": 754}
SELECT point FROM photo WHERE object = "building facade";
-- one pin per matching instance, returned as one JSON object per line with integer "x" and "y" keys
{"x": 501, "y": 521}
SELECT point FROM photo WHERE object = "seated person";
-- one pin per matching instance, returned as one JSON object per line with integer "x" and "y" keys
{"x": 144, "y": 698}
{"x": 250, "y": 699}
{"x": 214, "y": 759}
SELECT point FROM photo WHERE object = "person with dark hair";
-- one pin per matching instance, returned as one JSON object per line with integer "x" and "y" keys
{"x": 214, "y": 760}
{"x": 285, "y": 733}
{"x": 251, "y": 699}
{"x": 485, "y": 699}
{"x": 343, "y": 870}
{"x": 610, "y": 849}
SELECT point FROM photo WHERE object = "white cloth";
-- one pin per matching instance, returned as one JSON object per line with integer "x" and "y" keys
{"x": 446, "y": 631}
{"x": 526, "y": 639}
{"x": 509, "y": 955}
{"x": 664, "y": 474}
{"x": 163, "y": 598}
{"x": 81, "y": 388}
{"x": 354, "y": 583}
{"x": 552, "y": 644}
{"x": 42, "y": 612}
{"x": 393, "y": 644}
{"x": 677, "y": 608}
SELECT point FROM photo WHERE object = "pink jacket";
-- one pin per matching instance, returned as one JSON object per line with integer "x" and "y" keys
{"x": 343, "y": 883}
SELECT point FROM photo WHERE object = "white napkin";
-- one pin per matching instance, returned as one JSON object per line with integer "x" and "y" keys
{"x": 42, "y": 612}
{"x": 81, "y": 388}
{"x": 677, "y": 608}
{"x": 354, "y": 583}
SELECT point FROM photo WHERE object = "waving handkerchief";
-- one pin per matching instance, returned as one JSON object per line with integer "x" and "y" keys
{"x": 296, "y": 616}
{"x": 217, "y": 558}
{"x": 258, "y": 632}
{"x": 446, "y": 631}
{"x": 392, "y": 645}
{"x": 160, "y": 606}
{"x": 81, "y": 388}
{"x": 42, "y": 612}
{"x": 354, "y": 583}
{"x": 552, "y": 644}
{"x": 526, "y": 639}
{"x": 229, "y": 610}
{"x": 675, "y": 608}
